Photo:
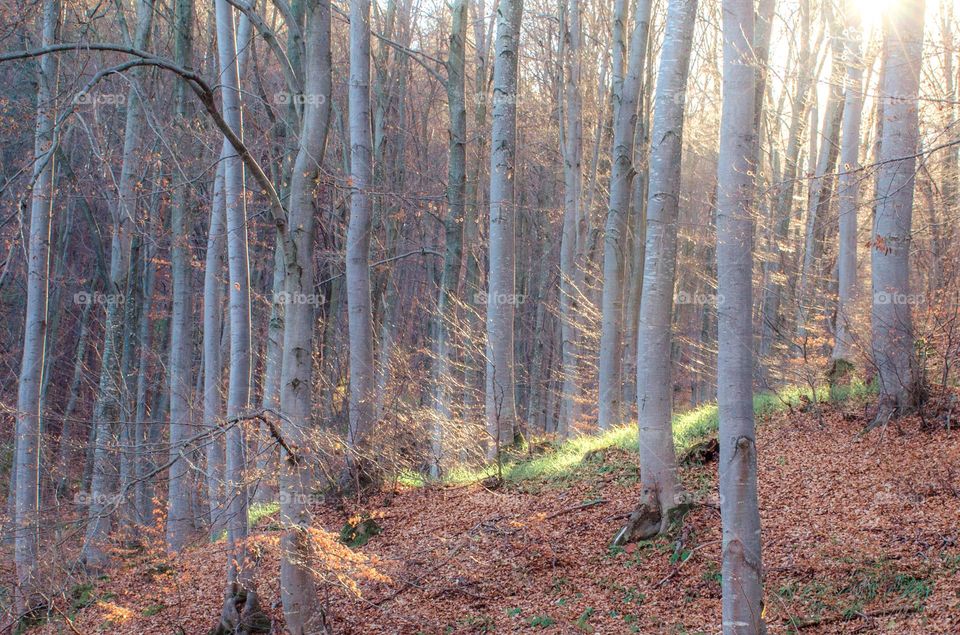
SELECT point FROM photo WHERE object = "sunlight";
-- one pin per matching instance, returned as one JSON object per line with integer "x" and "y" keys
{"x": 871, "y": 11}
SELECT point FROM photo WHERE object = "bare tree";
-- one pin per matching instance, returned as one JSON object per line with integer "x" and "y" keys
{"x": 742, "y": 568}
{"x": 658, "y": 460}
{"x": 501, "y": 276}
{"x": 626, "y": 95}
{"x": 29, "y": 415}
{"x": 891, "y": 237}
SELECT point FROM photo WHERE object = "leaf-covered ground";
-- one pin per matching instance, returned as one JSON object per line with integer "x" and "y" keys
{"x": 860, "y": 535}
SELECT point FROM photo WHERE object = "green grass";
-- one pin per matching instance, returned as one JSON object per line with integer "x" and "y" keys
{"x": 689, "y": 428}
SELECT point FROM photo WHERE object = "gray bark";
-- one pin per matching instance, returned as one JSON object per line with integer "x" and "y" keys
{"x": 658, "y": 459}
{"x": 301, "y": 606}
{"x": 890, "y": 247}
{"x": 622, "y": 172}
{"x": 742, "y": 586}
{"x": 28, "y": 422}
{"x": 501, "y": 277}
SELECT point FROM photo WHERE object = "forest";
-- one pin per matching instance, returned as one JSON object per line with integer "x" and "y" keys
{"x": 477, "y": 316}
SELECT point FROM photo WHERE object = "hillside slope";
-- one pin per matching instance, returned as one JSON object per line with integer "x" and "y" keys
{"x": 860, "y": 535}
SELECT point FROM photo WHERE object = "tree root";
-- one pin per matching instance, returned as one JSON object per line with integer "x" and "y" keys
{"x": 241, "y": 614}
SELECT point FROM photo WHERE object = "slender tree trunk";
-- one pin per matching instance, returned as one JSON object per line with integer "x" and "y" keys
{"x": 742, "y": 568}
{"x": 360, "y": 321}
{"x": 240, "y": 604}
{"x": 28, "y": 425}
{"x": 109, "y": 407}
{"x": 890, "y": 246}
{"x": 658, "y": 460}
{"x": 501, "y": 277}
{"x": 453, "y": 228}
{"x": 143, "y": 499}
{"x": 179, "y": 516}
{"x": 848, "y": 187}
{"x": 573, "y": 183}
{"x": 301, "y": 606}
{"x": 267, "y": 454}
{"x": 621, "y": 179}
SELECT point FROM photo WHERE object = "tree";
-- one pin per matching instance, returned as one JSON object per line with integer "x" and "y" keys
{"x": 109, "y": 407}
{"x": 658, "y": 461}
{"x": 501, "y": 280}
{"x": 28, "y": 424}
{"x": 179, "y": 522}
{"x": 848, "y": 191}
{"x": 360, "y": 320}
{"x": 297, "y": 586}
{"x": 453, "y": 225}
{"x": 621, "y": 178}
{"x": 241, "y": 605}
{"x": 742, "y": 572}
{"x": 891, "y": 237}
{"x": 572, "y": 150}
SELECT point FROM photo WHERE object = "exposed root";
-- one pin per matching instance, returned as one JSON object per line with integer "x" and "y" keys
{"x": 241, "y": 614}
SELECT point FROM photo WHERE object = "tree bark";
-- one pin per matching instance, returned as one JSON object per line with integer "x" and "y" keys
{"x": 890, "y": 243}
{"x": 29, "y": 415}
{"x": 621, "y": 178}
{"x": 658, "y": 459}
{"x": 742, "y": 586}
{"x": 501, "y": 276}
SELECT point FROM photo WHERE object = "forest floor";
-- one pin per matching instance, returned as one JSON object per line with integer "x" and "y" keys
{"x": 860, "y": 535}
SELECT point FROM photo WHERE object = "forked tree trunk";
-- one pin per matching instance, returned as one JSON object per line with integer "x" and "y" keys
{"x": 658, "y": 461}
{"x": 301, "y": 607}
{"x": 28, "y": 425}
{"x": 891, "y": 237}
{"x": 742, "y": 572}
{"x": 621, "y": 179}
{"x": 501, "y": 281}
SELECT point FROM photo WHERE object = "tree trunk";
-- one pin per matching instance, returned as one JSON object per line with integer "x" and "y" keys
{"x": 360, "y": 320}
{"x": 179, "y": 516}
{"x": 658, "y": 460}
{"x": 573, "y": 179}
{"x": 890, "y": 242}
{"x": 28, "y": 422}
{"x": 453, "y": 228}
{"x": 501, "y": 282}
{"x": 109, "y": 407}
{"x": 301, "y": 607}
{"x": 848, "y": 187}
{"x": 742, "y": 585}
{"x": 621, "y": 179}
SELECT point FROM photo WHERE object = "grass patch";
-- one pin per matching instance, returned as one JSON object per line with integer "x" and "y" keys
{"x": 689, "y": 428}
